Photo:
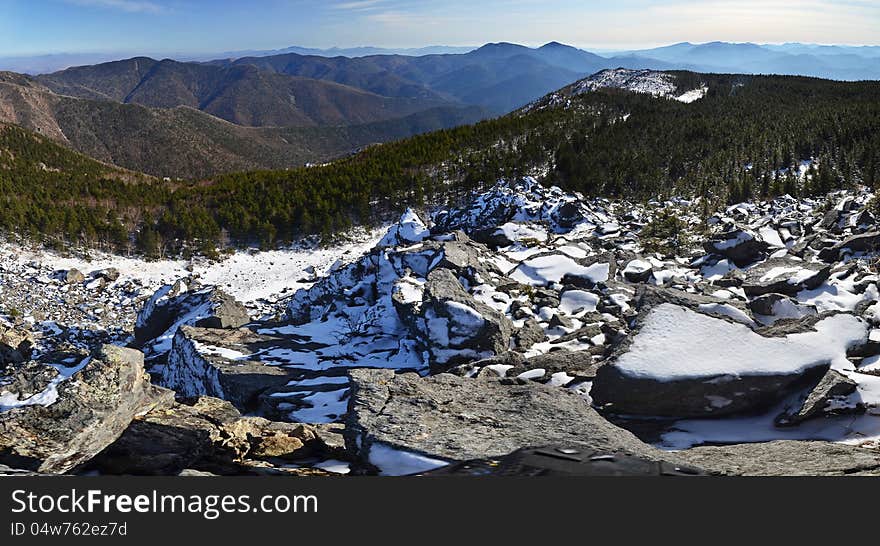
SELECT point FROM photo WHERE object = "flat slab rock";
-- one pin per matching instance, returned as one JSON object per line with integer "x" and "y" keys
{"x": 447, "y": 417}
{"x": 681, "y": 363}
{"x": 784, "y": 276}
{"x": 786, "y": 458}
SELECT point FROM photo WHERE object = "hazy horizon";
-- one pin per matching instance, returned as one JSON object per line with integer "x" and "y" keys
{"x": 115, "y": 27}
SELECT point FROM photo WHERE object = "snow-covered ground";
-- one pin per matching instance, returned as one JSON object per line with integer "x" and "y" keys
{"x": 248, "y": 275}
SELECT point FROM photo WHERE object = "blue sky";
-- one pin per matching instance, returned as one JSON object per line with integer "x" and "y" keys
{"x": 195, "y": 26}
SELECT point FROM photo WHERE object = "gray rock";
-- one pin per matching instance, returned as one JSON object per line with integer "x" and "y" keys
{"x": 210, "y": 308}
{"x": 789, "y": 283}
{"x": 530, "y": 333}
{"x": 451, "y": 324}
{"x": 110, "y": 274}
{"x": 74, "y": 276}
{"x": 30, "y": 378}
{"x": 92, "y": 409}
{"x": 15, "y": 345}
{"x": 492, "y": 237}
{"x": 830, "y": 219}
{"x": 191, "y": 372}
{"x": 559, "y": 321}
{"x": 638, "y": 276}
{"x": 206, "y": 434}
{"x": 569, "y": 215}
{"x": 820, "y": 399}
{"x": 865, "y": 242}
{"x": 453, "y": 418}
{"x": 739, "y": 246}
{"x": 227, "y": 312}
{"x": 615, "y": 392}
{"x": 785, "y": 458}
{"x": 764, "y": 304}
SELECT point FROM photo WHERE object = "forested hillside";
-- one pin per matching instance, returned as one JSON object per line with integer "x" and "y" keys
{"x": 747, "y": 136}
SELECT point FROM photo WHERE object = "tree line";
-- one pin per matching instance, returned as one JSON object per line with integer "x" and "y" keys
{"x": 750, "y": 136}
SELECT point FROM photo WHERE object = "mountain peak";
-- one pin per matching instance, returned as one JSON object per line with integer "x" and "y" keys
{"x": 500, "y": 47}
{"x": 555, "y": 45}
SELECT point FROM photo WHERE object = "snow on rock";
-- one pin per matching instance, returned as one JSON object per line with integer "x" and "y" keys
{"x": 545, "y": 270}
{"x": 664, "y": 348}
{"x": 659, "y": 84}
{"x": 574, "y": 302}
{"x": 399, "y": 462}
{"x": 174, "y": 306}
{"x": 683, "y": 363}
{"x": 408, "y": 230}
{"x": 45, "y": 397}
{"x": 521, "y": 281}
{"x": 638, "y": 271}
{"x": 649, "y": 82}
{"x": 520, "y": 201}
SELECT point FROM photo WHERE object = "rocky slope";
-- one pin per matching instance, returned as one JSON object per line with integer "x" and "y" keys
{"x": 529, "y": 316}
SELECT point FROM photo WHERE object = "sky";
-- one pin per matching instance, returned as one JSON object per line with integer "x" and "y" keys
{"x": 29, "y": 27}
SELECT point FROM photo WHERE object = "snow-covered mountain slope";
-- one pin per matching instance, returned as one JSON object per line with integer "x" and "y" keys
{"x": 649, "y": 82}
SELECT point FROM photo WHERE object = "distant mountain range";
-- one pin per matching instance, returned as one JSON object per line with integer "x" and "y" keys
{"x": 364, "y": 51}
{"x": 186, "y": 142}
{"x": 44, "y": 64}
{"x": 832, "y": 62}
{"x": 828, "y": 61}
{"x": 240, "y": 93}
{"x": 196, "y": 119}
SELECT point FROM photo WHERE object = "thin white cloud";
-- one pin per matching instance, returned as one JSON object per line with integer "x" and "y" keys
{"x": 131, "y": 6}
{"x": 358, "y": 5}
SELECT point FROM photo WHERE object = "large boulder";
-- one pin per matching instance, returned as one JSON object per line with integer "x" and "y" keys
{"x": 783, "y": 276}
{"x": 174, "y": 306}
{"x": 450, "y": 418}
{"x": 682, "y": 363}
{"x": 16, "y": 345}
{"x": 865, "y": 242}
{"x": 450, "y": 323}
{"x": 785, "y": 458}
{"x": 73, "y": 276}
{"x": 210, "y": 362}
{"x": 76, "y": 415}
{"x": 740, "y": 246}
